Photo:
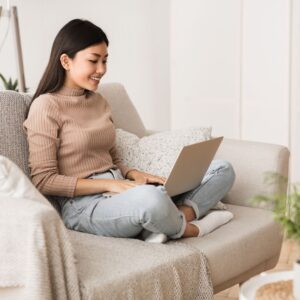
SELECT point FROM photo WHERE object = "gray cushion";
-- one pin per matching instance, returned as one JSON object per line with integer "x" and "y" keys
{"x": 13, "y": 143}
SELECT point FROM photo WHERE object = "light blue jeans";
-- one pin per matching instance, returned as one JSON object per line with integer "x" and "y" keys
{"x": 145, "y": 206}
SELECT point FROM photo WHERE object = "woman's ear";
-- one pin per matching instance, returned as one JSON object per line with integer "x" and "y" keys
{"x": 65, "y": 61}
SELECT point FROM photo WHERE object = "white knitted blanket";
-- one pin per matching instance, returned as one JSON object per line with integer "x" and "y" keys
{"x": 35, "y": 251}
{"x": 130, "y": 269}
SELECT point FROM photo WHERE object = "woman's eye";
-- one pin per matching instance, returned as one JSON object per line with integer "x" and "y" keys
{"x": 105, "y": 61}
{"x": 93, "y": 61}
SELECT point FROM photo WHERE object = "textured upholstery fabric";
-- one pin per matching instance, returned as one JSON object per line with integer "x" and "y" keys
{"x": 13, "y": 144}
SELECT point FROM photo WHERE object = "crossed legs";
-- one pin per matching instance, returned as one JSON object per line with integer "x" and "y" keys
{"x": 191, "y": 230}
{"x": 196, "y": 203}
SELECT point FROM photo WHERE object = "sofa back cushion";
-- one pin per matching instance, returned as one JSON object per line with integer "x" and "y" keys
{"x": 125, "y": 115}
{"x": 13, "y": 143}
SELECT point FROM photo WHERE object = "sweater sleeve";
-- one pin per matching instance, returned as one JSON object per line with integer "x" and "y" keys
{"x": 42, "y": 129}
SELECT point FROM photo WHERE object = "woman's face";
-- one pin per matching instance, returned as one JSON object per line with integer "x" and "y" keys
{"x": 86, "y": 68}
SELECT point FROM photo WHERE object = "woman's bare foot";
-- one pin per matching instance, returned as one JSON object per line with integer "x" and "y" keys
{"x": 191, "y": 230}
{"x": 188, "y": 212}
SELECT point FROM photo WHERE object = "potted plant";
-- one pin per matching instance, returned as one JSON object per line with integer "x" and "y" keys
{"x": 9, "y": 84}
{"x": 286, "y": 208}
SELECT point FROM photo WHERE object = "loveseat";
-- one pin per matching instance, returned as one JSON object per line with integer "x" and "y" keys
{"x": 110, "y": 268}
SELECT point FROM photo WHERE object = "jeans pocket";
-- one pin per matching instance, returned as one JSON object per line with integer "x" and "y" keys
{"x": 70, "y": 214}
{"x": 77, "y": 214}
{"x": 81, "y": 203}
{"x": 78, "y": 204}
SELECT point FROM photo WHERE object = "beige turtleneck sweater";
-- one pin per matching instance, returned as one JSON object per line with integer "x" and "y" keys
{"x": 70, "y": 136}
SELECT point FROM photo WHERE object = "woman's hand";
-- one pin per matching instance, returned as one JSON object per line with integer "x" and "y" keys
{"x": 144, "y": 178}
{"x": 136, "y": 178}
{"x": 119, "y": 186}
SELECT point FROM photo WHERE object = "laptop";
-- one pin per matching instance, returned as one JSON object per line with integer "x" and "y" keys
{"x": 191, "y": 166}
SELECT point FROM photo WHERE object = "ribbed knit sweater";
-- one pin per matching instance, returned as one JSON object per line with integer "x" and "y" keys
{"x": 70, "y": 136}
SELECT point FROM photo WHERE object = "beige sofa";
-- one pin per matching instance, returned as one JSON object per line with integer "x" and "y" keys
{"x": 244, "y": 247}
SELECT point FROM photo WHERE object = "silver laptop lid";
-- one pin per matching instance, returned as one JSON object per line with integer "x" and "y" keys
{"x": 191, "y": 166}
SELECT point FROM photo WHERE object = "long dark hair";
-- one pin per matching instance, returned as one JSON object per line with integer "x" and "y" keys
{"x": 75, "y": 36}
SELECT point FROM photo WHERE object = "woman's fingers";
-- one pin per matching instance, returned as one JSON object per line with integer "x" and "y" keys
{"x": 123, "y": 185}
{"x": 154, "y": 179}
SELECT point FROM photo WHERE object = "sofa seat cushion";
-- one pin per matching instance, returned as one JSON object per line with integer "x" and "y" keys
{"x": 119, "y": 268}
{"x": 251, "y": 238}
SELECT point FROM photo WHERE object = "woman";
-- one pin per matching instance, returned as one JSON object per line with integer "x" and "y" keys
{"x": 73, "y": 159}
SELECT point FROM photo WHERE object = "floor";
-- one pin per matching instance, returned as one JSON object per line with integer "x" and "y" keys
{"x": 289, "y": 253}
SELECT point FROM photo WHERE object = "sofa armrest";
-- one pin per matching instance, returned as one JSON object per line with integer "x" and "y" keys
{"x": 250, "y": 161}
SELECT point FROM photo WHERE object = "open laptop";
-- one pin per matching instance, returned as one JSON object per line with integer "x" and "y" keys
{"x": 191, "y": 166}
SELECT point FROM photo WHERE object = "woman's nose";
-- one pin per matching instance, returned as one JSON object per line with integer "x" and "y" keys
{"x": 101, "y": 68}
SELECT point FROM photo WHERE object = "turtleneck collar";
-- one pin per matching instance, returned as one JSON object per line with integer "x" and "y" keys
{"x": 68, "y": 91}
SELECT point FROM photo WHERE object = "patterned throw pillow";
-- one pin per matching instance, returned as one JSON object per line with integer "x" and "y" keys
{"x": 157, "y": 153}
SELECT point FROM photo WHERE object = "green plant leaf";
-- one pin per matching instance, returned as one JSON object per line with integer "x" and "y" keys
{"x": 3, "y": 78}
{"x": 15, "y": 85}
{"x": 9, "y": 84}
{"x": 5, "y": 83}
{"x": 286, "y": 206}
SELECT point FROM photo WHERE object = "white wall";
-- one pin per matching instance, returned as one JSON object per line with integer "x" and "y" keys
{"x": 139, "y": 46}
{"x": 235, "y": 65}
{"x": 205, "y": 57}
{"x": 266, "y": 71}
{"x": 230, "y": 67}
{"x": 295, "y": 91}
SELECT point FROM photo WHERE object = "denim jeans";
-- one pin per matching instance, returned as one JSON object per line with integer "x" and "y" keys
{"x": 145, "y": 206}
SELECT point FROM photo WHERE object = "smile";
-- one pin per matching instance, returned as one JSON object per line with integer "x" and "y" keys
{"x": 96, "y": 78}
